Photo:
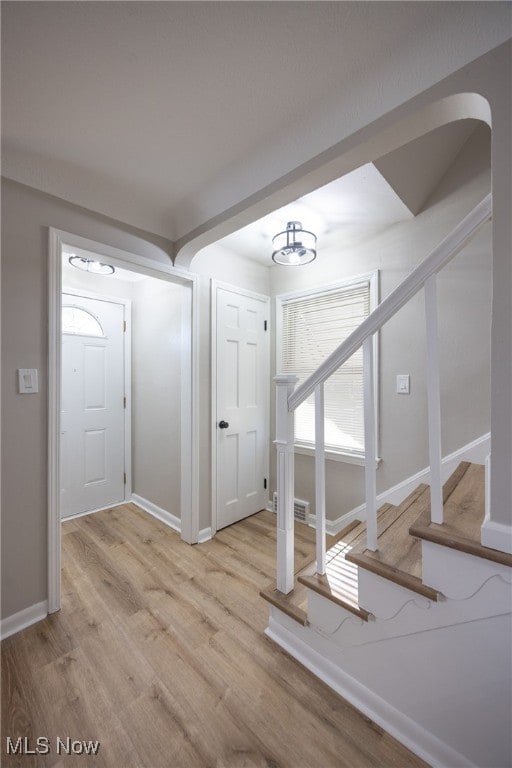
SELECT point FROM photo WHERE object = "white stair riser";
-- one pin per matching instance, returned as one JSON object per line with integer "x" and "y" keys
{"x": 443, "y": 691}
{"x": 381, "y": 596}
{"x": 324, "y": 612}
{"x": 457, "y": 574}
{"x": 410, "y": 614}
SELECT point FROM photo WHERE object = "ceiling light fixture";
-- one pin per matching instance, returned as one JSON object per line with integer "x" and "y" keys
{"x": 90, "y": 265}
{"x": 294, "y": 246}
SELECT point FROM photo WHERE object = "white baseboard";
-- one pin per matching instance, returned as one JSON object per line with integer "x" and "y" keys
{"x": 161, "y": 514}
{"x": 333, "y": 527}
{"x": 23, "y": 619}
{"x": 205, "y": 534}
{"x": 408, "y": 732}
{"x": 497, "y": 536}
{"x": 476, "y": 451}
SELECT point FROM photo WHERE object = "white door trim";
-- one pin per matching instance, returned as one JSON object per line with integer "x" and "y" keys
{"x": 127, "y": 383}
{"x": 215, "y": 286}
{"x": 189, "y": 389}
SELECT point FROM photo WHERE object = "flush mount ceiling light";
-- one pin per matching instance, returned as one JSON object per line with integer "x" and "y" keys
{"x": 90, "y": 265}
{"x": 294, "y": 246}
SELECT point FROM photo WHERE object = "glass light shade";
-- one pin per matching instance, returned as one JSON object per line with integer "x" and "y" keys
{"x": 89, "y": 265}
{"x": 294, "y": 246}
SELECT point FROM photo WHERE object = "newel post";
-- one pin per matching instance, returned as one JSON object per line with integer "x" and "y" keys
{"x": 284, "y": 442}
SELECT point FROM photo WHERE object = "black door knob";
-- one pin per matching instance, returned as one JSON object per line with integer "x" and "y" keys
{"x": 223, "y": 425}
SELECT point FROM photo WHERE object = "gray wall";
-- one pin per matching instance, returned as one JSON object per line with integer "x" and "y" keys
{"x": 464, "y": 294}
{"x": 156, "y": 392}
{"x": 26, "y": 216}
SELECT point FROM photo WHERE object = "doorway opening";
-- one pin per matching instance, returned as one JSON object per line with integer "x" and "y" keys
{"x": 108, "y": 393}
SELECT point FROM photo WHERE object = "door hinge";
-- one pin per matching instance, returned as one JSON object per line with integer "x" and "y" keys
{"x": 264, "y": 325}
{"x": 124, "y": 478}
{"x": 124, "y": 326}
{"x": 265, "y": 483}
{"x": 124, "y": 401}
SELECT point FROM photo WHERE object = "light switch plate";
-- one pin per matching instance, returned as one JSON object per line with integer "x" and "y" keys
{"x": 27, "y": 381}
{"x": 403, "y": 385}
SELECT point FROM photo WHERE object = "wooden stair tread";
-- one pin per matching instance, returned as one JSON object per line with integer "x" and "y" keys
{"x": 294, "y": 604}
{"x": 350, "y": 532}
{"x": 398, "y": 557}
{"x": 455, "y": 479}
{"x": 397, "y": 548}
{"x": 463, "y": 518}
{"x": 393, "y": 574}
{"x": 327, "y": 587}
{"x": 339, "y": 584}
{"x": 355, "y": 533}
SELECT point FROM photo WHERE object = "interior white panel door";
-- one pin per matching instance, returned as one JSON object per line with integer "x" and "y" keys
{"x": 242, "y": 418}
{"x": 92, "y": 405}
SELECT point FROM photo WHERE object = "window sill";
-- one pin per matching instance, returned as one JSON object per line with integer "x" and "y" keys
{"x": 332, "y": 455}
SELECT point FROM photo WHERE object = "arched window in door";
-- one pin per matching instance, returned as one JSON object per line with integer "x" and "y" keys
{"x": 79, "y": 322}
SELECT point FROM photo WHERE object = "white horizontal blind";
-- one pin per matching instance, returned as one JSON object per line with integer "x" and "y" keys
{"x": 312, "y": 327}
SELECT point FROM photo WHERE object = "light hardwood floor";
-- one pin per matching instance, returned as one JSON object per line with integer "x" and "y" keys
{"x": 159, "y": 653}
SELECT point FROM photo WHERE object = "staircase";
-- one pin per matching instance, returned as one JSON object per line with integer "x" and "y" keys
{"x": 408, "y": 615}
{"x": 421, "y": 602}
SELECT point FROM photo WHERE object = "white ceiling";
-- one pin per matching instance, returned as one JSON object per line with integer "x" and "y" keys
{"x": 364, "y": 202}
{"x": 357, "y": 205}
{"x": 138, "y": 110}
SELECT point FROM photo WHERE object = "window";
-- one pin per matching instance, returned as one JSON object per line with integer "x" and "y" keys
{"x": 311, "y": 324}
{"x": 80, "y": 322}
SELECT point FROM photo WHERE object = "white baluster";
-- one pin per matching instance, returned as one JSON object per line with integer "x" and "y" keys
{"x": 434, "y": 402}
{"x": 284, "y": 442}
{"x": 370, "y": 445}
{"x": 320, "y": 478}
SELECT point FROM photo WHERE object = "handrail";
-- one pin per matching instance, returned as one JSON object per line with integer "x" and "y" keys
{"x": 440, "y": 256}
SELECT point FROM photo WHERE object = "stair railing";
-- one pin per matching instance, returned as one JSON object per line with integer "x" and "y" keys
{"x": 289, "y": 397}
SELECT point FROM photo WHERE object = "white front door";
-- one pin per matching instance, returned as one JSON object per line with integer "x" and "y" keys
{"x": 242, "y": 413}
{"x": 92, "y": 404}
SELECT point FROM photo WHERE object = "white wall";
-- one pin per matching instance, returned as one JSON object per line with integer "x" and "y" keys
{"x": 464, "y": 319}
{"x": 105, "y": 285}
{"x": 217, "y": 262}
